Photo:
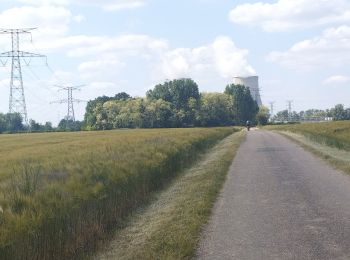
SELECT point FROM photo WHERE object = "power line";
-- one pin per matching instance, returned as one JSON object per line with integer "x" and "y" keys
{"x": 70, "y": 100}
{"x": 17, "y": 103}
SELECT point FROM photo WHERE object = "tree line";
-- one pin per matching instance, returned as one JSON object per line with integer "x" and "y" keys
{"x": 13, "y": 123}
{"x": 175, "y": 103}
{"x": 337, "y": 113}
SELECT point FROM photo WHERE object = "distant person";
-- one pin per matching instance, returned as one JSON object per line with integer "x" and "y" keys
{"x": 248, "y": 125}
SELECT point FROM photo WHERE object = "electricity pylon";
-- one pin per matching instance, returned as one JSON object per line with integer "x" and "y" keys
{"x": 271, "y": 107}
{"x": 70, "y": 100}
{"x": 289, "y": 105}
{"x": 17, "y": 103}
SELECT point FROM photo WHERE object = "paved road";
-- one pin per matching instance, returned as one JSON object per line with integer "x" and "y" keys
{"x": 279, "y": 202}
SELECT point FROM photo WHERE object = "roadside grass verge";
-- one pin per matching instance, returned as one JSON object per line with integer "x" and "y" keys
{"x": 62, "y": 192}
{"x": 334, "y": 134}
{"x": 170, "y": 226}
{"x": 338, "y": 158}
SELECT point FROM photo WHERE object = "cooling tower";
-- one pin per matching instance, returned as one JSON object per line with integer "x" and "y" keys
{"x": 253, "y": 84}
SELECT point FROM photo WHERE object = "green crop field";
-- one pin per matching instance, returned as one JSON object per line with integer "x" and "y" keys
{"x": 60, "y": 192}
{"x": 335, "y": 134}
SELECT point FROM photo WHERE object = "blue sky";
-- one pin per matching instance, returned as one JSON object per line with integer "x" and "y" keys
{"x": 299, "y": 48}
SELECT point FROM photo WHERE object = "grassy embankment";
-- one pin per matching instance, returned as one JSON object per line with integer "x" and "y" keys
{"x": 61, "y": 192}
{"x": 170, "y": 227}
{"x": 330, "y": 140}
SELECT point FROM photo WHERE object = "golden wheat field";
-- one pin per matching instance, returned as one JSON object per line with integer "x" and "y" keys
{"x": 59, "y": 192}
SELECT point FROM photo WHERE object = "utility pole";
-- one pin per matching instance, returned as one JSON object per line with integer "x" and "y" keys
{"x": 70, "y": 100}
{"x": 271, "y": 107}
{"x": 17, "y": 103}
{"x": 271, "y": 110}
{"x": 289, "y": 104}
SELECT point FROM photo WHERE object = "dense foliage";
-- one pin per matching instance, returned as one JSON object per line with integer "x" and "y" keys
{"x": 37, "y": 127}
{"x": 11, "y": 123}
{"x": 244, "y": 106}
{"x": 61, "y": 191}
{"x": 69, "y": 125}
{"x": 263, "y": 115}
{"x": 176, "y": 103}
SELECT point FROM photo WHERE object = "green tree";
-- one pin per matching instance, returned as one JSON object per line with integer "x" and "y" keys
{"x": 94, "y": 108}
{"x": 70, "y": 125}
{"x": 122, "y": 96}
{"x": 183, "y": 94}
{"x": 3, "y": 123}
{"x": 157, "y": 114}
{"x": 244, "y": 106}
{"x": 123, "y": 113}
{"x": 34, "y": 126}
{"x": 263, "y": 115}
{"x": 338, "y": 112}
{"x": 215, "y": 110}
{"x": 281, "y": 116}
{"x": 14, "y": 122}
{"x": 48, "y": 127}
{"x": 347, "y": 112}
{"x": 178, "y": 92}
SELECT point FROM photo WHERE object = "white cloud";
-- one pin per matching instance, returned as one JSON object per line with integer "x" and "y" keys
{"x": 84, "y": 45}
{"x": 108, "y": 5}
{"x": 291, "y": 14}
{"x": 108, "y": 56}
{"x": 45, "y": 2}
{"x": 120, "y": 5}
{"x": 79, "y": 18}
{"x": 100, "y": 69}
{"x": 221, "y": 57}
{"x": 103, "y": 58}
{"x": 61, "y": 77}
{"x": 331, "y": 49}
{"x": 52, "y": 20}
{"x": 101, "y": 85}
{"x": 336, "y": 79}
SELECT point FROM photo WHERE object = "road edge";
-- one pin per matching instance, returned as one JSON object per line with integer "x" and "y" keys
{"x": 327, "y": 153}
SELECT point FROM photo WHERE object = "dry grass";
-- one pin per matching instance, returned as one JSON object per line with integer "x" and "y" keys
{"x": 60, "y": 192}
{"x": 170, "y": 226}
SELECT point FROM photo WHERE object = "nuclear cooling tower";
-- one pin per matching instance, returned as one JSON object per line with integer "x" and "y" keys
{"x": 253, "y": 84}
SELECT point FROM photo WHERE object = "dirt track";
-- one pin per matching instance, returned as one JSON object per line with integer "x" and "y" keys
{"x": 279, "y": 202}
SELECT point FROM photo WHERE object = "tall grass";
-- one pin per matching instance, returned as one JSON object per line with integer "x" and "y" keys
{"x": 60, "y": 192}
{"x": 334, "y": 134}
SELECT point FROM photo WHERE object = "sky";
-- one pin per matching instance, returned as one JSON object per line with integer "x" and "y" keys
{"x": 300, "y": 49}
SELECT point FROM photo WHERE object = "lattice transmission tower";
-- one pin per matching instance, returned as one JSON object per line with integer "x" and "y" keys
{"x": 70, "y": 100}
{"x": 272, "y": 107}
{"x": 17, "y": 102}
{"x": 289, "y": 106}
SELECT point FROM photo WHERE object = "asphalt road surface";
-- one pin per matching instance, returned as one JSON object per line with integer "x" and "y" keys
{"x": 279, "y": 202}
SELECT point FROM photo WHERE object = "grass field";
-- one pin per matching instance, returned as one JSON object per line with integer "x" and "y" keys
{"x": 60, "y": 192}
{"x": 334, "y": 134}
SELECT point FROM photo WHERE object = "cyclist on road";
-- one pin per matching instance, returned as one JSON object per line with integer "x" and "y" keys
{"x": 248, "y": 125}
